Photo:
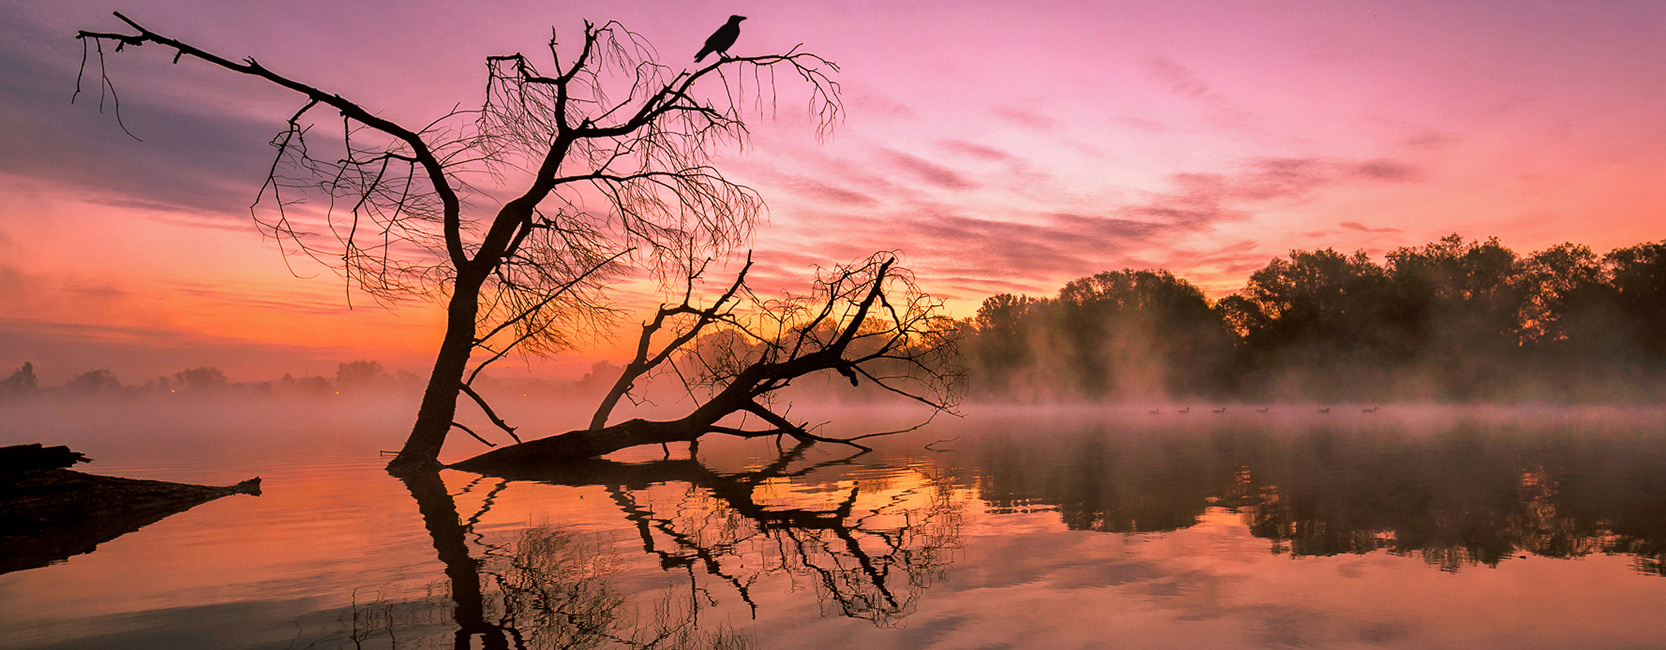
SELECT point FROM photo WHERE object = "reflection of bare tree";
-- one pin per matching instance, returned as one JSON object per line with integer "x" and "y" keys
{"x": 867, "y": 559}
{"x": 555, "y": 594}
{"x": 868, "y": 555}
{"x": 870, "y": 572}
{"x": 551, "y": 589}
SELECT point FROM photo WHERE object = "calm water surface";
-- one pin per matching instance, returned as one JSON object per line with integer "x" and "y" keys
{"x": 1060, "y": 528}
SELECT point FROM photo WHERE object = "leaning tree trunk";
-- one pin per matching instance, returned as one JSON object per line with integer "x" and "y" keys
{"x": 738, "y": 397}
{"x": 439, "y": 401}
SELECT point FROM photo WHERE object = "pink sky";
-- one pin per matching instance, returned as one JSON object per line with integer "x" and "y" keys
{"x": 1000, "y": 147}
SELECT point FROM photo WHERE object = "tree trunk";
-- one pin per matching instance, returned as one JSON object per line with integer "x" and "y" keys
{"x": 537, "y": 457}
{"x": 439, "y": 400}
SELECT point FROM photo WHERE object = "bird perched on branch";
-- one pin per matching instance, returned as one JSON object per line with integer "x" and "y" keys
{"x": 721, "y": 40}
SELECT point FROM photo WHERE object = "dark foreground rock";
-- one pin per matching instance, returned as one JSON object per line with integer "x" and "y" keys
{"x": 48, "y": 514}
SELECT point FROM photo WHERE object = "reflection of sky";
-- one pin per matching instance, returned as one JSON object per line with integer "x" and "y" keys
{"x": 332, "y": 532}
{"x": 1213, "y": 585}
{"x": 1000, "y": 146}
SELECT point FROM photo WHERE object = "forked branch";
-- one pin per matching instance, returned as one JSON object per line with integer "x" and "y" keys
{"x": 740, "y": 356}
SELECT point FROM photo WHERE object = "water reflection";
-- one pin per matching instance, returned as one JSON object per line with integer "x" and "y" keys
{"x": 549, "y": 588}
{"x": 1044, "y": 529}
{"x": 866, "y": 558}
{"x": 1468, "y": 495}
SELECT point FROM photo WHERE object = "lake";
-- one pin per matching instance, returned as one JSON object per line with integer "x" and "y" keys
{"x": 1410, "y": 527}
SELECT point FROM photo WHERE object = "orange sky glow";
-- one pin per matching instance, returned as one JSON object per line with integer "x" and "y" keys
{"x": 998, "y": 147}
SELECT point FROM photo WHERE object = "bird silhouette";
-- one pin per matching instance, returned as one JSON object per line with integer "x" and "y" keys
{"x": 721, "y": 40}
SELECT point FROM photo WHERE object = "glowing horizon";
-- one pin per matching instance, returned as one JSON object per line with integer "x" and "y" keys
{"x": 997, "y": 148}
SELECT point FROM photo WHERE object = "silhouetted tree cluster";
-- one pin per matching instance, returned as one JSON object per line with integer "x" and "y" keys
{"x": 202, "y": 379}
{"x": 93, "y": 381}
{"x": 1451, "y": 319}
{"x": 22, "y": 382}
{"x": 1123, "y": 333}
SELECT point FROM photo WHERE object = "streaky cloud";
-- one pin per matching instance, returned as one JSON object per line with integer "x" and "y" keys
{"x": 975, "y": 150}
{"x": 1355, "y": 225}
{"x": 930, "y": 172}
{"x": 1026, "y": 118}
{"x": 1185, "y": 83}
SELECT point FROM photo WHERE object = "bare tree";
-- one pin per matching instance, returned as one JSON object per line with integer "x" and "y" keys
{"x": 607, "y": 160}
{"x": 867, "y": 321}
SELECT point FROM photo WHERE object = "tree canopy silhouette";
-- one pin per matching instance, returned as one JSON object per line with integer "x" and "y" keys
{"x": 1450, "y": 319}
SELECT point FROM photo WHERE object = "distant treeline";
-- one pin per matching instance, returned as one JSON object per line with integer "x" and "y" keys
{"x": 1449, "y": 320}
{"x": 353, "y": 377}
{"x": 356, "y": 378}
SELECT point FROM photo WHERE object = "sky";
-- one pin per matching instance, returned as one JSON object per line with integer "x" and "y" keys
{"x": 997, "y": 147}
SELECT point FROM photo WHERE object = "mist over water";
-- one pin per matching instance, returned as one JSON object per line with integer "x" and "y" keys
{"x": 1410, "y": 526}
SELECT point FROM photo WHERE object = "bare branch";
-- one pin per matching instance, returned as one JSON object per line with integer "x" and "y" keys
{"x": 420, "y": 150}
{"x": 487, "y": 409}
{"x": 743, "y": 356}
{"x": 643, "y": 363}
{"x": 476, "y": 436}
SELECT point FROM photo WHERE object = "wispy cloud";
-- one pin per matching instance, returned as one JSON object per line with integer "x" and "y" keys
{"x": 823, "y": 192}
{"x": 1143, "y": 124}
{"x": 188, "y": 160}
{"x": 1026, "y": 118}
{"x": 1355, "y": 225}
{"x": 1430, "y": 140}
{"x": 1202, "y": 199}
{"x": 974, "y": 150}
{"x": 927, "y": 171}
{"x": 1387, "y": 170}
{"x": 973, "y": 249}
{"x": 866, "y": 102}
{"x": 1184, "y": 82}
